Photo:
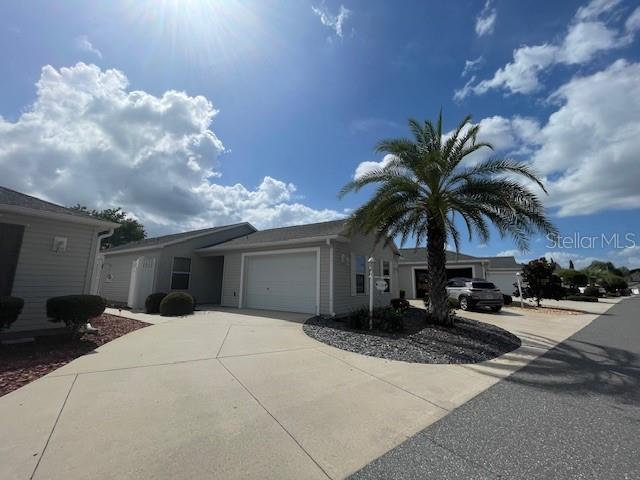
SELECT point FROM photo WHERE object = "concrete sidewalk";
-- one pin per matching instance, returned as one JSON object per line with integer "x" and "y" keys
{"x": 239, "y": 394}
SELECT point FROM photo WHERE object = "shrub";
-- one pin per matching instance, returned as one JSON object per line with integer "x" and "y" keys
{"x": 403, "y": 294}
{"x": 152, "y": 303}
{"x": 387, "y": 319}
{"x": 10, "y": 309}
{"x": 582, "y": 298}
{"x": 400, "y": 304}
{"x": 359, "y": 319}
{"x": 75, "y": 310}
{"x": 592, "y": 291}
{"x": 507, "y": 299}
{"x": 176, "y": 304}
{"x": 453, "y": 303}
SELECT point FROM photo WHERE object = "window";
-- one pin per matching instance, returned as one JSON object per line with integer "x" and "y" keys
{"x": 180, "y": 273}
{"x": 385, "y": 273}
{"x": 360, "y": 272}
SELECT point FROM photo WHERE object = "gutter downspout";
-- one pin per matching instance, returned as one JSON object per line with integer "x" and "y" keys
{"x": 333, "y": 314}
{"x": 95, "y": 276}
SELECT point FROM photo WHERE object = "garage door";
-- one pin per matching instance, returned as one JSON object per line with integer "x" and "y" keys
{"x": 286, "y": 282}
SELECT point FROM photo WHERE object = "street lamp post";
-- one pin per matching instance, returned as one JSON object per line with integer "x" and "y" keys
{"x": 518, "y": 275}
{"x": 371, "y": 263}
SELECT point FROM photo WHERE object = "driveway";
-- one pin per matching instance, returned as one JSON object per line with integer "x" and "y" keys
{"x": 239, "y": 394}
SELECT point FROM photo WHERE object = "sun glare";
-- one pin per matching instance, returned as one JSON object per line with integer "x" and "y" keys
{"x": 208, "y": 32}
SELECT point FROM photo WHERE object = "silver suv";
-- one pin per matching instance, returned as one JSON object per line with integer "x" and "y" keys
{"x": 472, "y": 293}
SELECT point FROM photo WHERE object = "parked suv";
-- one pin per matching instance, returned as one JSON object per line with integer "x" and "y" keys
{"x": 472, "y": 293}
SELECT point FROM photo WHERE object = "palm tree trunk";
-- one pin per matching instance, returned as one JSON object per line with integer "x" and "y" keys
{"x": 436, "y": 260}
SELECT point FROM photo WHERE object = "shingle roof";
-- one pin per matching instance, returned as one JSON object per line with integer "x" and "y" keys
{"x": 503, "y": 262}
{"x": 13, "y": 198}
{"x": 420, "y": 255}
{"x": 173, "y": 238}
{"x": 296, "y": 232}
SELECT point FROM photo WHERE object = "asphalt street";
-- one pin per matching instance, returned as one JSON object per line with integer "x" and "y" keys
{"x": 572, "y": 413}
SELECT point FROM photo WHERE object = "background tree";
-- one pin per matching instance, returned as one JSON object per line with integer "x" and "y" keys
{"x": 571, "y": 266}
{"x": 426, "y": 187}
{"x": 129, "y": 231}
{"x": 539, "y": 281}
{"x": 573, "y": 278}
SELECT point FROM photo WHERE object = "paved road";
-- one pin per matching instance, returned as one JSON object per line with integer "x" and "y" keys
{"x": 572, "y": 413}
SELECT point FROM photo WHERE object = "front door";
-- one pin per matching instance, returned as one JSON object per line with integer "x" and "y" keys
{"x": 10, "y": 243}
{"x": 422, "y": 282}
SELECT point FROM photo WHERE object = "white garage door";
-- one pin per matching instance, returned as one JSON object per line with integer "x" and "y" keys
{"x": 286, "y": 282}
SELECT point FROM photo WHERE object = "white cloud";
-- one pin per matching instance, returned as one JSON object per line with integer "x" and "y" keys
{"x": 471, "y": 65}
{"x": 587, "y": 35}
{"x": 633, "y": 22}
{"x": 562, "y": 259}
{"x": 89, "y": 139}
{"x": 589, "y": 147}
{"x": 508, "y": 253}
{"x": 485, "y": 21}
{"x": 366, "y": 167}
{"x": 83, "y": 43}
{"x": 334, "y": 22}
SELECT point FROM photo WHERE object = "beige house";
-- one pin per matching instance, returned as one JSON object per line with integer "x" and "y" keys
{"x": 45, "y": 251}
{"x": 412, "y": 270}
{"x": 315, "y": 269}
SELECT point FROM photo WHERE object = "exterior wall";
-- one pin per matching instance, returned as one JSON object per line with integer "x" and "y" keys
{"x": 118, "y": 266}
{"x": 42, "y": 273}
{"x": 345, "y": 298}
{"x": 407, "y": 277}
{"x": 232, "y": 267}
{"x": 503, "y": 279}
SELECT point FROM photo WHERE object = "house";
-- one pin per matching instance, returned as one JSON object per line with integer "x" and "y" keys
{"x": 412, "y": 270}
{"x": 163, "y": 264}
{"x": 45, "y": 250}
{"x": 316, "y": 268}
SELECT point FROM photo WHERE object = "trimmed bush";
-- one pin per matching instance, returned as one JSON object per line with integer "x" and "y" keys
{"x": 176, "y": 304}
{"x": 75, "y": 310}
{"x": 400, "y": 304}
{"x": 10, "y": 309}
{"x": 152, "y": 302}
{"x": 507, "y": 299}
{"x": 453, "y": 303}
{"x": 387, "y": 319}
{"x": 592, "y": 291}
{"x": 359, "y": 319}
{"x": 582, "y": 298}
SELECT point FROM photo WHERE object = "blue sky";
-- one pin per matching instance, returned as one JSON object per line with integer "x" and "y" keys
{"x": 198, "y": 112}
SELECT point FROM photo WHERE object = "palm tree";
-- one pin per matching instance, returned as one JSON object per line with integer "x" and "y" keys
{"x": 425, "y": 186}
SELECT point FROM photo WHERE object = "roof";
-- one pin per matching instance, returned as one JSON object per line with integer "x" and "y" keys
{"x": 288, "y": 234}
{"x": 420, "y": 255}
{"x": 161, "y": 241}
{"x": 504, "y": 262}
{"x": 17, "y": 202}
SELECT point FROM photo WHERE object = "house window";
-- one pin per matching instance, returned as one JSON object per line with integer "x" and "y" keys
{"x": 180, "y": 273}
{"x": 385, "y": 273}
{"x": 360, "y": 272}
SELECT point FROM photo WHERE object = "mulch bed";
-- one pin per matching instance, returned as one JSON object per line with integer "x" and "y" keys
{"x": 468, "y": 341}
{"x": 547, "y": 310}
{"x": 24, "y": 362}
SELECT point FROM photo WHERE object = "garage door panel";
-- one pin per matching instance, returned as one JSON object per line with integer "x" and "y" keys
{"x": 286, "y": 282}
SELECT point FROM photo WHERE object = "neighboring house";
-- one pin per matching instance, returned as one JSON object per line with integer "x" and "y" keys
{"x": 315, "y": 269}
{"x": 412, "y": 270}
{"x": 164, "y": 264}
{"x": 45, "y": 250}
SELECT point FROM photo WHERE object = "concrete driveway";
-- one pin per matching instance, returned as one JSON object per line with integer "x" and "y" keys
{"x": 239, "y": 394}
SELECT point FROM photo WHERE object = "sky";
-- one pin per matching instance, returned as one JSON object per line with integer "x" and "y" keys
{"x": 194, "y": 113}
